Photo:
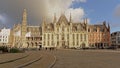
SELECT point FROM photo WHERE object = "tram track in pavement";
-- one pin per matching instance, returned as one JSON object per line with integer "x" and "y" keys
{"x": 6, "y": 58}
{"x": 47, "y": 61}
{"x": 33, "y": 57}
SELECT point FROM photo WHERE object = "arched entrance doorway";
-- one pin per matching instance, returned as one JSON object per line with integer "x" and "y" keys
{"x": 40, "y": 45}
{"x": 63, "y": 44}
{"x": 83, "y": 45}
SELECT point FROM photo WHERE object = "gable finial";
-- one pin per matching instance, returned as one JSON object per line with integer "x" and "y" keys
{"x": 70, "y": 17}
{"x": 54, "y": 18}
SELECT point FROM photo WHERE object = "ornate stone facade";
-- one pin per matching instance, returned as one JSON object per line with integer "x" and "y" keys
{"x": 26, "y": 36}
{"x": 62, "y": 33}
{"x": 99, "y": 35}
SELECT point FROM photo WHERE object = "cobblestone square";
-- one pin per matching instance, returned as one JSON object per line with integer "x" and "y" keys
{"x": 87, "y": 59}
{"x": 62, "y": 58}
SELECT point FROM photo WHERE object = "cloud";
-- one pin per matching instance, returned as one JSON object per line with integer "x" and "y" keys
{"x": 77, "y": 14}
{"x": 59, "y": 6}
{"x": 2, "y": 19}
{"x": 38, "y": 8}
{"x": 80, "y": 1}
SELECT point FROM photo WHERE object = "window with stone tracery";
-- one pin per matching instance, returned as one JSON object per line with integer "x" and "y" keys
{"x": 81, "y": 37}
{"x": 84, "y": 37}
{"x": 58, "y": 36}
{"x": 44, "y": 36}
{"x": 58, "y": 29}
{"x": 52, "y": 36}
{"x": 73, "y": 37}
{"x": 48, "y": 43}
{"x": 77, "y": 36}
{"x": 68, "y": 36}
{"x": 48, "y": 37}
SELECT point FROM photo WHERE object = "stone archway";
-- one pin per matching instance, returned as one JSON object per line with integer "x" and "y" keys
{"x": 83, "y": 45}
{"x": 63, "y": 44}
{"x": 36, "y": 44}
{"x": 40, "y": 45}
{"x": 28, "y": 44}
{"x": 32, "y": 44}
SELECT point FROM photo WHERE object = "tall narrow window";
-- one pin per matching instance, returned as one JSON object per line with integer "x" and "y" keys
{"x": 77, "y": 36}
{"x": 73, "y": 37}
{"x": 48, "y": 37}
{"x": 81, "y": 37}
{"x": 58, "y": 36}
{"x": 84, "y": 37}
{"x": 88, "y": 30}
{"x": 68, "y": 37}
{"x": 52, "y": 36}
{"x": 44, "y": 36}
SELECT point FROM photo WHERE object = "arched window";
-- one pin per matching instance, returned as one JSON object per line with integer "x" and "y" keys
{"x": 95, "y": 29}
{"x": 89, "y": 30}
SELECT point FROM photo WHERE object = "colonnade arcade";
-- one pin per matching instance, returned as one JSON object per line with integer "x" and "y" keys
{"x": 33, "y": 42}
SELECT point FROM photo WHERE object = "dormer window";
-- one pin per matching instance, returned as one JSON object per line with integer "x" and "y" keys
{"x": 48, "y": 27}
{"x": 88, "y": 30}
{"x": 101, "y": 29}
{"x": 95, "y": 29}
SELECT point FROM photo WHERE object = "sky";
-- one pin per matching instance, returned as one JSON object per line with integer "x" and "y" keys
{"x": 96, "y": 11}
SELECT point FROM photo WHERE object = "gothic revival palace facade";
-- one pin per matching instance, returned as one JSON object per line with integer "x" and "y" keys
{"x": 61, "y": 33}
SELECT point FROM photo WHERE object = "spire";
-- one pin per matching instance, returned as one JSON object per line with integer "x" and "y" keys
{"x": 104, "y": 23}
{"x": 70, "y": 18}
{"x": 14, "y": 25}
{"x": 54, "y": 18}
{"x": 24, "y": 19}
{"x": 44, "y": 20}
{"x": 108, "y": 26}
{"x": 86, "y": 21}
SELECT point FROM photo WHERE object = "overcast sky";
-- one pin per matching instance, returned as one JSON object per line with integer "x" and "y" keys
{"x": 96, "y": 11}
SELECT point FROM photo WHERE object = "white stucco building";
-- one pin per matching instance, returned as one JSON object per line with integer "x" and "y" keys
{"x": 115, "y": 38}
{"x": 4, "y": 36}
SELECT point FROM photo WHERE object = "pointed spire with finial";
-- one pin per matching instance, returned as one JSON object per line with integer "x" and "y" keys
{"x": 14, "y": 25}
{"x": 44, "y": 20}
{"x": 24, "y": 19}
{"x": 70, "y": 18}
{"x": 55, "y": 19}
{"x": 108, "y": 26}
{"x": 86, "y": 21}
{"x": 104, "y": 23}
